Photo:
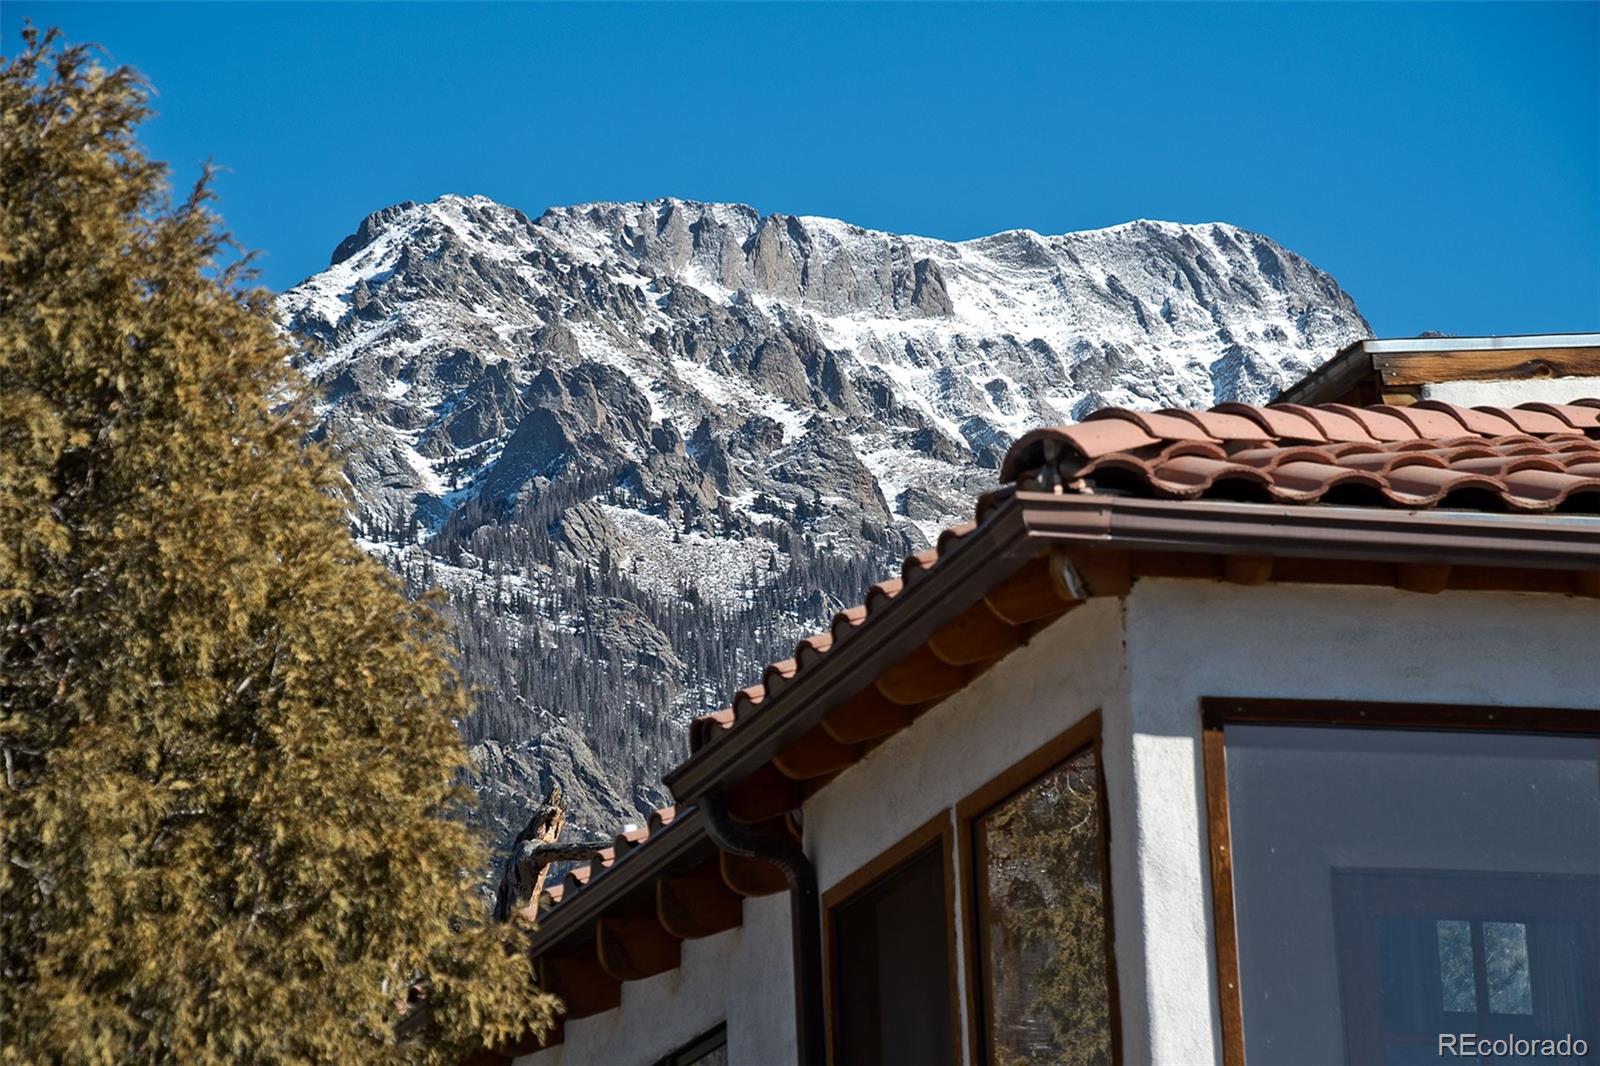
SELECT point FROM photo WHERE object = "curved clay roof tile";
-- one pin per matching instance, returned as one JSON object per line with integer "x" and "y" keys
{"x": 1377, "y": 421}
{"x": 1334, "y": 424}
{"x": 1223, "y": 426}
{"x": 1279, "y": 422}
{"x": 1475, "y": 420}
{"x": 1528, "y": 421}
{"x": 1158, "y": 424}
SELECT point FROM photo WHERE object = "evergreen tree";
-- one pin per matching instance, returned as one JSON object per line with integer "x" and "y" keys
{"x": 229, "y": 827}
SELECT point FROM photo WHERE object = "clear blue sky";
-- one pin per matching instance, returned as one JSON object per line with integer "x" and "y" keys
{"x": 1442, "y": 161}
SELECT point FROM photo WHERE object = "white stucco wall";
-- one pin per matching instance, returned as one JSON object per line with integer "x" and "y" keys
{"x": 744, "y": 976}
{"x": 1511, "y": 393}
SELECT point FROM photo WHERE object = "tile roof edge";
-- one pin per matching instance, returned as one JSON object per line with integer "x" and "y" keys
{"x": 893, "y": 629}
{"x": 572, "y": 916}
{"x": 1517, "y": 541}
{"x": 1038, "y": 450}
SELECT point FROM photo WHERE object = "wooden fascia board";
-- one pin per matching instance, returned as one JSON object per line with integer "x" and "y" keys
{"x": 1335, "y": 378}
{"x": 1411, "y": 369}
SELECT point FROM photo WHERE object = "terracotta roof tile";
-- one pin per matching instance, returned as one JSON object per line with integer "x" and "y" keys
{"x": 1157, "y": 424}
{"x": 1091, "y": 439}
{"x": 1221, "y": 425}
{"x": 1529, "y": 420}
{"x": 1381, "y": 423}
{"x": 1280, "y": 423}
{"x": 1473, "y": 419}
{"x": 1532, "y": 458}
{"x": 1335, "y": 424}
{"x": 1430, "y": 423}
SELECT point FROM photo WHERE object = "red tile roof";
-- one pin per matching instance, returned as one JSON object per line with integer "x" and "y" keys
{"x": 1533, "y": 458}
{"x": 1536, "y": 457}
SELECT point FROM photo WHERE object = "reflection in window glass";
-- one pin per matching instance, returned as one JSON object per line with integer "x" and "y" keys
{"x": 892, "y": 969}
{"x": 1042, "y": 921}
{"x": 1394, "y": 884}
{"x": 709, "y": 1050}
{"x": 1458, "y": 989}
{"x": 1505, "y": 949}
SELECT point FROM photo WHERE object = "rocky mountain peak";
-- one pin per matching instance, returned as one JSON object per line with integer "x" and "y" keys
{"x": 643, "y": 446}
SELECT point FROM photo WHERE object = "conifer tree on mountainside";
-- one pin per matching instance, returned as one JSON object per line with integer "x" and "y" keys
{"x": 229, "y": 828}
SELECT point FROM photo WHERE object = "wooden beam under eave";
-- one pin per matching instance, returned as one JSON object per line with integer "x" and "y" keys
{"x": 764, "y": 794}
{"x": 867, "y": 716}
{"x": 814, "y": 754}
{"x": 698, "y": 903}
{"x": 978, "y": 635}
{"x": 1422, "y": 577}
{"x": 632, "y": 947}
{"x": 1028, "y": 595}
{"x": 581, "y": 982}
{"x": 1106, "y": 572}
{"x": 1501, "y": 364}
{"x": 920, "y": 678}
{"x": 1247, "y": 569}
{"x": 751, "y": 877}
{"x": 1587, "y": 582}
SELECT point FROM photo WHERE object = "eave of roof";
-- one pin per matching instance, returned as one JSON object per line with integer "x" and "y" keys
{"x": 679, "y": 841}
{"x": 968, "y": 565}
{"x": 1025, "y": 523}
{"x": 1397, "y": 368}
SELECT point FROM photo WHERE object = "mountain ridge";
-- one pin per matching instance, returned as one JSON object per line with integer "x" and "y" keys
{"x": 644, "y": 446}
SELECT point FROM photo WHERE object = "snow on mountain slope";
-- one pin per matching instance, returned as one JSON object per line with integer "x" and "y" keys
{"x": 690, "y": 431}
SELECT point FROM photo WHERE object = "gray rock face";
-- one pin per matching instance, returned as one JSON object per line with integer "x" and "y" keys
{"x": 644, "y": 446}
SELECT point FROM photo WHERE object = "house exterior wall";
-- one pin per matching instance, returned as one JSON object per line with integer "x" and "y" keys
{"x": 1145, "y": 663}
{"x": 1067, "y": 672}
{"x": 1191, "y": 639}
{"x": 744, "y": 976}
{"x": 1511, "y": 393}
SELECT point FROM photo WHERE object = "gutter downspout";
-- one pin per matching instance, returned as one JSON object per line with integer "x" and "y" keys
{"x": 804, "y": 918}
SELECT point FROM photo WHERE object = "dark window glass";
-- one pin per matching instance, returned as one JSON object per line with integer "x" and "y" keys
{"x": 1041, "y": 928}
{"x": 709, "y": 1050}
{"x": 892, "y": 969}
{"x": 1393, "y": 885}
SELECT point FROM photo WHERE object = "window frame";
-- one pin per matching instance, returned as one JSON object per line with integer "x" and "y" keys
{"x": 935, "y": 833}
{"x": 1218, "y": 712}
{"x": 1083, "y": 735}
{"x": 710, "y": 1040}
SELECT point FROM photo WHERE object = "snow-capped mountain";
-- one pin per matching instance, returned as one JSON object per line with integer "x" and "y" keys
{"x": 642, "y": 446}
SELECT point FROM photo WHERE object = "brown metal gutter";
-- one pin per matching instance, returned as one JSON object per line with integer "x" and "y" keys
{"x": 985, "y": 558}
{"x": 805, "y": 919}
{"x": 1461, "y": 538}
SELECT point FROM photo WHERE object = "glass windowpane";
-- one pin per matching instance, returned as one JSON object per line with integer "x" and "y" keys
{"x": 1505, "y": 952}
{"x": 1459, "y": 990}
{"x": 1042, "y": 921}
{"x": 1394, "y": 884}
